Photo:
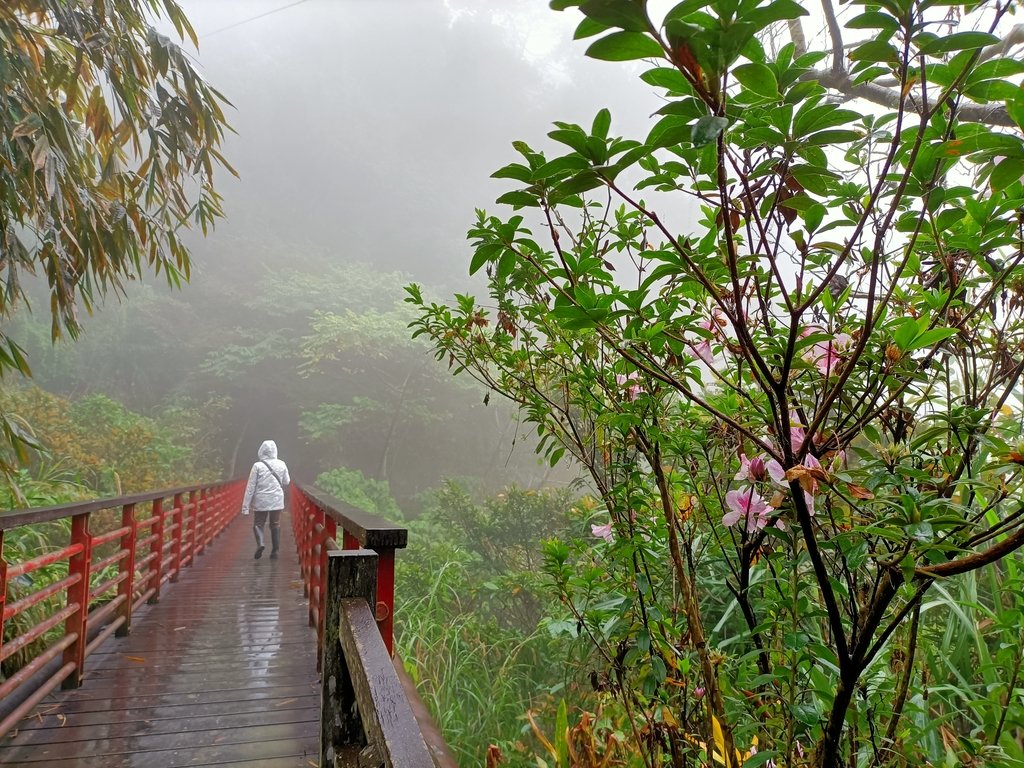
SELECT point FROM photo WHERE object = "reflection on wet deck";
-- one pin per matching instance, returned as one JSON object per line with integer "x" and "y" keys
{"x": 221, "y": 672}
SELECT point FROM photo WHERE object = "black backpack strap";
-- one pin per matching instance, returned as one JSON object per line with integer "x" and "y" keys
{"x": 272, "y": 473}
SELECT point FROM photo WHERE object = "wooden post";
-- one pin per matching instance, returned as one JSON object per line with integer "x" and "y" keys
{"x": 78, "y": 594}
{"x": 384, "y": 609}
{"x": 350, "y": 574}
{"x": 202, "y": 516}
{"x": 193, "y": 534}
{"x": 177, "y": 536}
{"x": 158, "y": 548}
{"x": 126, "y": 589}
{"x": 3, "y": 588}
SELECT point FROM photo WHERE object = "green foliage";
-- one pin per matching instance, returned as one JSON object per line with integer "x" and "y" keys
{"x": 472, "y": 618}
{"x": 799, "y": 401}
{"x": 110, "y": 142}
{"x": 353, "y": 487}
{"x": 107, "y": 125}
{"x": 97, "y": 443}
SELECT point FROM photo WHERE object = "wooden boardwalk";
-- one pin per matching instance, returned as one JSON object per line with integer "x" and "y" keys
{"x": 221, "y": 672}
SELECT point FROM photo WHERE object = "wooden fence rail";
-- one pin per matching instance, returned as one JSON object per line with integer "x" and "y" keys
{"x": 317, "y": 518}
{"x": 366, "y": 720}
{"x": 107, "y": 558}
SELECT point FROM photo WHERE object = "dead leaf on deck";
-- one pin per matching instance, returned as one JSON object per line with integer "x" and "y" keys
{"x": 138, "y": 659}
{"x": 286, "y": 701}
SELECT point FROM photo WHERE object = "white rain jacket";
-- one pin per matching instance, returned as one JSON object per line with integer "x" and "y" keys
{"x": 267, "y": 481}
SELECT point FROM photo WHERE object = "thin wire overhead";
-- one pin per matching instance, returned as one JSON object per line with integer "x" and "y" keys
{"x": 253, "y": 18}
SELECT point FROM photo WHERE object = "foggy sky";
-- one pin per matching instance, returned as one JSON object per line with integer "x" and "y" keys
{"x": 369, "y": 128}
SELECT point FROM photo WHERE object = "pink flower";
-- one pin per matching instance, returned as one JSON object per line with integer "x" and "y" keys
{"x": 713, "y": 325}
{"x": 603, "y": 531}
{"x": 633, "y": 389}
{"x": 751, "y": 470}
{"x": 748, "y": 506}
{"x": 702, "y": 350}
{"x": 778, "y": 476}
{"x": 753, "y": 751}
{"x": 698, "y": 692}
{"x": 826, "y": 355}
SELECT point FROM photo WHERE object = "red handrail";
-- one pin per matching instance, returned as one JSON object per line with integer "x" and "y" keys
{"x": 316, "y": 519}
{"x": 146, "y": 553}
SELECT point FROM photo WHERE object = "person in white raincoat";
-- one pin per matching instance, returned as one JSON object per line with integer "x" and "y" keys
{"x": 264, "y": 495}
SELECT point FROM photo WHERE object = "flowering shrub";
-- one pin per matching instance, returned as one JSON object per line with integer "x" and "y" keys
{"x": 800, "y": 408}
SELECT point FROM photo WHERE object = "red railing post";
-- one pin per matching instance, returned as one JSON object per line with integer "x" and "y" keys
{"x": 193, "y": 538}
{"x": 178, "y": 510}
{"x": 78, "y": 595}
{"x": 3, "y": 588}
{"x": 126, "y": 568}
{"x": 385, "y": 609}
{"x": 202, "y": 513}
{"x": 158, "y": 548}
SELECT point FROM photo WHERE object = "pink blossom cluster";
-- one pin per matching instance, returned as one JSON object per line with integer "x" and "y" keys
{"x": 631, "y": 383}
{"x": 748, "y": 506}
{"x": 713, "y": 324}
{"x": 826, "y": 355}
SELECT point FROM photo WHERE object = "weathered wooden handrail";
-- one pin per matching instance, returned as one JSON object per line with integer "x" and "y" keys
{"x": 366, "y": 720}
{"x": 316, "y": 520}
{"x": 146, "y": 551}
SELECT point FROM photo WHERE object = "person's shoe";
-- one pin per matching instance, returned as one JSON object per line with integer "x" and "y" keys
{"x": 259, "y": 552}
{"x": 273, "y": 555}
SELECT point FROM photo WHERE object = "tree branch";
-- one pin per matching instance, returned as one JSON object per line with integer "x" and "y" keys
{"x": 838, "y": 80}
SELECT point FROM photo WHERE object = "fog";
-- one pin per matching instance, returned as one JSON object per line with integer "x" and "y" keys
{"x": 365, "y": 133}
{"x": 370, "y": 128}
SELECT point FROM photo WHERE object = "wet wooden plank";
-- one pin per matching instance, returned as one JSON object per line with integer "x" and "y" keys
{"x": 222, "y": 671}
{"x": 67, "y": 719}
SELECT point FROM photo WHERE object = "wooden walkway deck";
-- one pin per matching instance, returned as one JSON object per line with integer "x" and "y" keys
{"x": 221, "y": 672}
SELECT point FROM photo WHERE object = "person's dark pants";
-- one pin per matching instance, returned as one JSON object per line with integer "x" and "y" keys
{"x": 259, "y": 519}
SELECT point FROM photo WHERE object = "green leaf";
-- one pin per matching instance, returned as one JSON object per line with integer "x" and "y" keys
{"x": 602, "y": 122}
{"x": 875, "y": 50}
{"x": 707, "y": 129}
{"x": 874, "y": 20}
{"x": 905, "y": 333}
{"x": 588, "y": 28}
{"x": 574, "y": 138}
{"x": 669, "y": 78}
{"x": 515, "y": 171}
{"x": 1009, "y": 170}
{"x": 931, "y": 337}
{"x": 829, "y": 137}
{"x": 518, "y": 199}
{"x": 624, "y": 46}
{"x": 484, "y": 254}
{"x": 624, "y": 14}
{"x": 958, "y": 41}
{"x": 780, "y": 10}
{"x": 669, "y": 131}
{"x": 757, "y": 78}
{"x": 581, "y": 182}
{"x": 560, "y": 166}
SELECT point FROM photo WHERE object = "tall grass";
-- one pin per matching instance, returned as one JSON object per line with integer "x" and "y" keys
{"x": 478, "y": 678}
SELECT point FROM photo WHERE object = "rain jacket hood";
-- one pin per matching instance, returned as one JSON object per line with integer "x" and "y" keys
{"x": 267, "y": 481}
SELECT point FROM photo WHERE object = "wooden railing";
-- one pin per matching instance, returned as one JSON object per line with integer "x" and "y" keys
{"x": 365, "y": 717}
{"x": 118, "y": 553}
{"x": 317, "y": 519}
{"x": 370, "y": 713}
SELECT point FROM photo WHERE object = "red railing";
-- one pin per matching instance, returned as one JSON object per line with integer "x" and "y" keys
{"x": 110, "y": 573}
{"x": 316, "y": 520}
